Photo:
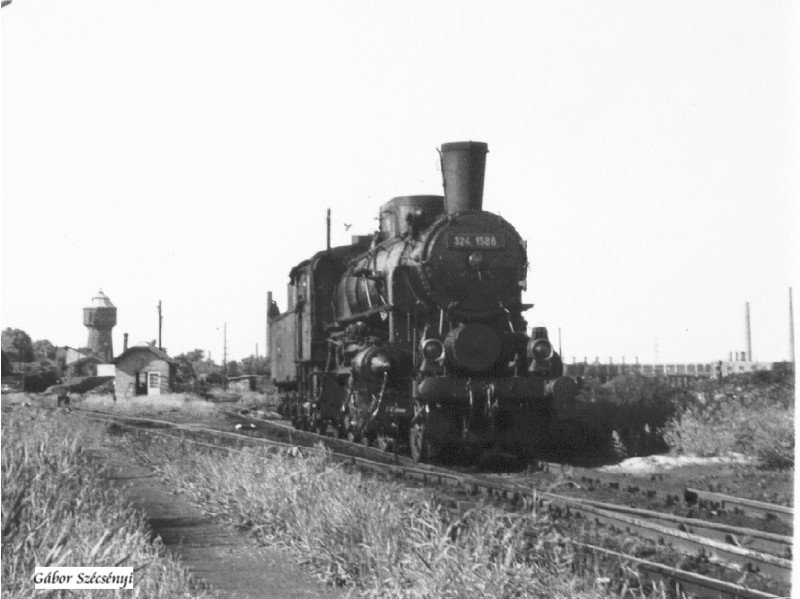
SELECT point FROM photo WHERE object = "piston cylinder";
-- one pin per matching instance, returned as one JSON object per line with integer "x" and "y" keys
{"x": 373, "y": 363}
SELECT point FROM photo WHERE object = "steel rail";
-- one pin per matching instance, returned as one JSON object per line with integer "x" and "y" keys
{"x": 293, "y": 434}
{"x": 212, "y": 432}
{"x": 779, "y": 545}
{"x": 160, "y": 433}
{"x": 688, "y": 583}
{"x": 759, "y": 509}
{"x": 724, "y": 554}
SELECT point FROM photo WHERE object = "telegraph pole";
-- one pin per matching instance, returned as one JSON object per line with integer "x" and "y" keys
{"x": 160, "y": 320}
{"x": 328, "y": 228}
{"x": 266, "y": 333}
{"x": 225, "y": 355}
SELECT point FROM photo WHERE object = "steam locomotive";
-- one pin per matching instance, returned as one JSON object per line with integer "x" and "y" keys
{"x": 415, "y": 334}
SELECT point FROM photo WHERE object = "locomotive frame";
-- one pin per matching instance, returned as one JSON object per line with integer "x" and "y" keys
{"x": 415, "y": 334}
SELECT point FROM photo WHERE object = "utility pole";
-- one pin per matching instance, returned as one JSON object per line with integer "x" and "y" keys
{"x": 160, "y": 320}
{"x": 225, "y": 355}
{"x": 560, "y": 353}
{"x": 328, "y": 228}
{"x": 266, "y": 334}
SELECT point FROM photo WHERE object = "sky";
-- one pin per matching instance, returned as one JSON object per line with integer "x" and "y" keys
{"x": 186, "y": 151}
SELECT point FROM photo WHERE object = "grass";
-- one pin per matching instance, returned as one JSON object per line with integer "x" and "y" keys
{"x": 742, "y": 415}
{"x": 268, "y": 401}
{"x": 187, "y": 405}
{"x": 57, "y": 512}
{"x": 377, "y": 537}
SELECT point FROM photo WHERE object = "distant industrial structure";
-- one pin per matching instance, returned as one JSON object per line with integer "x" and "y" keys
{"x": 791, "y": 328}
{"x": 738, "y": 362}
{"x": 100, "y": 318}
{"x": 748, "y": 339}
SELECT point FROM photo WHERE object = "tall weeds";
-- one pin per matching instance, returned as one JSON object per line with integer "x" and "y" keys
{"x": 378, "y": 537}
{"x": 184, "y": 405}
{"x": 57, "y": 512}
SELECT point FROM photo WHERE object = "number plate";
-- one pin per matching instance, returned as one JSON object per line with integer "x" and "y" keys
{"x": 477, "y": 241}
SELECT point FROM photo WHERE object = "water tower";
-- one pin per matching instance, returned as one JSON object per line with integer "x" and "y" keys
{"x": 100, "y": 318}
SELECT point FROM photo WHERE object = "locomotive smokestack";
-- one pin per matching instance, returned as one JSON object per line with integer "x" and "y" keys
{"x": 463, "y": 167}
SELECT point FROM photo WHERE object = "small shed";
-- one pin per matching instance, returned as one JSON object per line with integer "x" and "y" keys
{"x": 144, "y": 370}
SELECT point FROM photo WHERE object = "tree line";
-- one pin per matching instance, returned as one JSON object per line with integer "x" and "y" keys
{"x": 21, "y": 354}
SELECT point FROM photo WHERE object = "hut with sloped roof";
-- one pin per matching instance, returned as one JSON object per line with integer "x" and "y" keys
{"x": 144, "y": 370}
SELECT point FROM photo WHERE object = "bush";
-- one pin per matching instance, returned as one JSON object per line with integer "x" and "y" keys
{"x": 770, "y": 433}
{"x": 38, "y": 381}
{"x": 741, "y": 415}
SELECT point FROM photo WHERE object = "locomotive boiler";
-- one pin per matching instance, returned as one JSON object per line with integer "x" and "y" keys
{"x": 416, "y": 334}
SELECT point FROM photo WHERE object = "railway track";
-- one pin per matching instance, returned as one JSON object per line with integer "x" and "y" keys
{"x": 757, "y": 509}
{"x": 739, "y": 550}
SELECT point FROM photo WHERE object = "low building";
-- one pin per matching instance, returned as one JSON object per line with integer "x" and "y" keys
{"x": 68, "y": 355}
{"x": 143, "y": 370}
{"x": 86, "y": 366}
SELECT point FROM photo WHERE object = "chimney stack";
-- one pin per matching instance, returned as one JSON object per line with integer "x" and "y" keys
{"x": 791, "y": 328}
{"x": 463, "y": 169}
{"x": 125, "y": 342}
{"x": 747, "y": 331}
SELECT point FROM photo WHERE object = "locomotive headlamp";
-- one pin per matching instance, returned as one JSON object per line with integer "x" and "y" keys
{"x": 540, "y": 350}
{"x": 380, "y": 364}
{"x": 475, "y": 260}
{"x": 432, "y": 349}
